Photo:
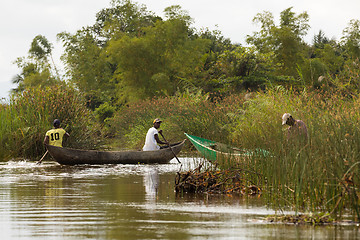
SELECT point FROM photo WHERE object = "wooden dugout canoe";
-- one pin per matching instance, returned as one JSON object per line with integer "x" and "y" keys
{"x": 219, "y": 152}
{"x": 70, "y": 156}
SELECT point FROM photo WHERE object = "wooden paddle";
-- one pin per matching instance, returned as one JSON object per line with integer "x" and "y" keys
{"x": 42, "y": 157}
{"x": 170, "y": 147}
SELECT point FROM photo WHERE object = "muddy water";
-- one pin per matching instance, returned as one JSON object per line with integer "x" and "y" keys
{"x": 50, "y": 201}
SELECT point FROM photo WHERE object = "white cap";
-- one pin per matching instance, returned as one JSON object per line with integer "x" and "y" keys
{"x": 285, "y": 117}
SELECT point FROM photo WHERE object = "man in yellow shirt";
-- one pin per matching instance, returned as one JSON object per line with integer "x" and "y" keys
{"x": 55, "y": 136}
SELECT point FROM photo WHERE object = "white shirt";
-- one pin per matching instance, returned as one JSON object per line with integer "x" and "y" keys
{"x": 150, "y": 141}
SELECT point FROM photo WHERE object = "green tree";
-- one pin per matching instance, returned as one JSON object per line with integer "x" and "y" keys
{"x": 86, "y": 57}
{"x": 156, "y": 63}
{"x": 123, "y": 17}
{"x": 324, "y": 61}
{"x": 240, "y": 69}
{"x": 285, "y": 40}
{"x": 36, "y": 69}
{"x": 320, "y": 40}
{"x": 41, "y": 49}
{"x": 87, "y": 66}
{"x": 351, "y": 39}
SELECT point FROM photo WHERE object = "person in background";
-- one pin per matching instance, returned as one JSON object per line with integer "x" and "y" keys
{"x": 55, "y": 136}
{"x": 297, "y": 128}
{"x": 152, "y": 137}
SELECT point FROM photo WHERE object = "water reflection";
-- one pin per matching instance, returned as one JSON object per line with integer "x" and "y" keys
{"x": 151, "y": 182}
{"x": 50, "y": 201}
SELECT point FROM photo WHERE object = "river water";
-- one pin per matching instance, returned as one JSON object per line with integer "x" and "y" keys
{"x": 50, "y": 201}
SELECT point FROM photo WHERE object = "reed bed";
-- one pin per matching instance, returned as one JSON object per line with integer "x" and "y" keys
{"x": 27, "y": 116}
{"x": 321, "y": 175}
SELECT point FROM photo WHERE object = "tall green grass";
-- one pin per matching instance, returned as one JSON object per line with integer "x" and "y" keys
{"x": 192, "y": 113}
{"x": 319, "y": 176}
{"x": 27, "y": 116}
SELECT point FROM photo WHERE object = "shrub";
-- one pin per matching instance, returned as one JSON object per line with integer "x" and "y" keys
{"x": 104, "y": 111}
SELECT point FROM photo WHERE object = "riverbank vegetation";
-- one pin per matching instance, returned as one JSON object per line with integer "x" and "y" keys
{"x": 132, "y": 66}
{"x": 26, "y": 118}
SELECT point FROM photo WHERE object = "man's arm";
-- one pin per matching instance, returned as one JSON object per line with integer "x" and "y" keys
{"x": 46, "y": 140}
{"x": 158, "y": 140}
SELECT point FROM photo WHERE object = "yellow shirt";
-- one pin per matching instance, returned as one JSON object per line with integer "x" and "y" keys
{"x": 55, "y": 136}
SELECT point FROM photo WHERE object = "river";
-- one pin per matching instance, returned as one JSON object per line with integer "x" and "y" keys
{"x": 50, "y": 201}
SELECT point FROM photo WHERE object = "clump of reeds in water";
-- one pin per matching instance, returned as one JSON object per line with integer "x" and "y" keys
{"x": 302, "y": 219}
{"x": 215, "y": 181}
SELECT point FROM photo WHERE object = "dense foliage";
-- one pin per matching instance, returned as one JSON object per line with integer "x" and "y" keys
{"x": 130, "y": 54}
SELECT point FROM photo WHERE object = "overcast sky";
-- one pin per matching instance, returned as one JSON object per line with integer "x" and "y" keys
{"x": 22, "y": 20}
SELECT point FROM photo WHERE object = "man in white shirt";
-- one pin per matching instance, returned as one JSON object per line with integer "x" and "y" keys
{"x": 152, "y": 137}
